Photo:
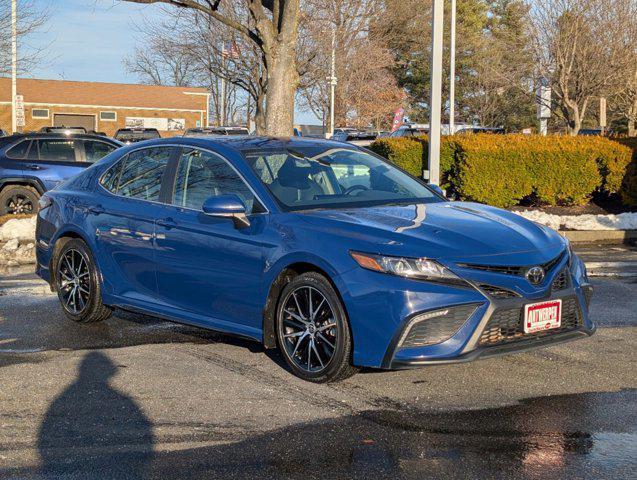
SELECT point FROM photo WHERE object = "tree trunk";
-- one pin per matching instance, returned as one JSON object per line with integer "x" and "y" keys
{"x": 259, "y": 114}
{"x": 283, "y": 80}
{"x": 632, "y": 119}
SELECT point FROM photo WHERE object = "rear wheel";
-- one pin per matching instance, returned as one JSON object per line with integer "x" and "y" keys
{"x": 19, "y": 200}
{"x": 78, "y": 285}
{"x": 313, "y": 330}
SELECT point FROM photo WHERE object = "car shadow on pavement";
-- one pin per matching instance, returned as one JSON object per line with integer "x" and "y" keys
{"x": 94, "y": 428}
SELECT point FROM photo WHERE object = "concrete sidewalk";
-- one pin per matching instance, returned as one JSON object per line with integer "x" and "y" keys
{"x": 604, "y": 260}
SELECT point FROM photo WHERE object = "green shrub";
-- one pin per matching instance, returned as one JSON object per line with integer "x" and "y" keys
{"x": 502, "y": 170}
{"x": 406, "y": 153}
{"x": 628, "y": 190}
{"x": 410, "y": 154}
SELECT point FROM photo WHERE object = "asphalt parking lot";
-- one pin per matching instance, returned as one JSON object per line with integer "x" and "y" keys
{"x": 137, "y": 397}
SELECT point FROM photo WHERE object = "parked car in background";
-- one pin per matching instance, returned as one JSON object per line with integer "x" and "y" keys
{"x": 320, "y": 248}
{"x": 133, "y": 135}
{"x": 31, "y": 164}
{"x": 204, "y": 131}
{"x": 478, "y": 129}
{"x": 362, "y": 139}
{"x": 410, "y": 130}
{"x": 64, "y": 130}
{"x": 590, "y": 132}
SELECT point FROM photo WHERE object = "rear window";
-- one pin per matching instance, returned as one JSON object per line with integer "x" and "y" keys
{"x": 95, "y": 150}
{"x": 18, "y": 151}
{"x": 56, "y": 150}
{"x": 136, "y": 135}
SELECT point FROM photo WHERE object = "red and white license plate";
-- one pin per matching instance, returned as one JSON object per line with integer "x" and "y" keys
{"x": 542, "y": 316}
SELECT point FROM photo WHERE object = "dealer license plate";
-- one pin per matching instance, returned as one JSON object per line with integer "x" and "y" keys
{"x": 542, "y": 316}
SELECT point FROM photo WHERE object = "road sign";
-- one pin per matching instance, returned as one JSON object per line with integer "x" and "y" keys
{"x": 19, "y": 111}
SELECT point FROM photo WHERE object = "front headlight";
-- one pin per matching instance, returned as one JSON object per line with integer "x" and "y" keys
{"x": 416, "y": 268}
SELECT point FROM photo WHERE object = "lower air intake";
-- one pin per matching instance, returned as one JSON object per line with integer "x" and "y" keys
{"x": 506, "y": 326}
{"x": 436, "y": 326}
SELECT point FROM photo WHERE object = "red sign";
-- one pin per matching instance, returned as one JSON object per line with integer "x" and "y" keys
{"x": 398, "y": 119}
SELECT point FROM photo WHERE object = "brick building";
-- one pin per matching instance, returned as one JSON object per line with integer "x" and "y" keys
{"x": 105, "y": 107}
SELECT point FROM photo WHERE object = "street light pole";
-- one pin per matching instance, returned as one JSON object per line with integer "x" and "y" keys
{"x": 14, "y": 64}
{"x": 435, "y": 103}
{"x": 452, "y": 70}
{"x": 332, "y": 80}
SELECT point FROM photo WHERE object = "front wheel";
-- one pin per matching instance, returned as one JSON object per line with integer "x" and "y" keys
{"x": 313, "y": 330}
{"x": 77, "y": 283}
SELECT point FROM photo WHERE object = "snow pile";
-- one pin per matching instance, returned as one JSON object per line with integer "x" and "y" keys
{"x": 12, "y": 254}
{"x": 18, "y": 228}
{"x": 622, "y": 221}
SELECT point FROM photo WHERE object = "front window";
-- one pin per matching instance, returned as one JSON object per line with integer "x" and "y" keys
{"x": 201, "y": 175}
{"x": 335, "y": 178}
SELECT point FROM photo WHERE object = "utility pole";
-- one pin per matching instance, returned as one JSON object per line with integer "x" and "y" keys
{"x": 222, "y": 113}
{"x": 435, "y": 102}
{"x": 14, "y": 64}
{"x": 332, "y": 80}
{"x": 452, "y": 70}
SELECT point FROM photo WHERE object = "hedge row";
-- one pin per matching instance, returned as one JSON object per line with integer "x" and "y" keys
{"x": 502, "y": 170}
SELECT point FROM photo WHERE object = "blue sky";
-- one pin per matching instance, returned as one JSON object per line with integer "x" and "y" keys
{"x": 88, "y": 39}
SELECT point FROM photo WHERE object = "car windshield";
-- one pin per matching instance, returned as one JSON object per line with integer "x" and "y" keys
{"x": 336, "y": 178}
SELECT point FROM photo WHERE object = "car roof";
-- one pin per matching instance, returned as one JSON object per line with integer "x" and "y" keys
{"x": 250, "y": 142}
{"x": 87, "y": 136}
{"x": 245, "y": 143}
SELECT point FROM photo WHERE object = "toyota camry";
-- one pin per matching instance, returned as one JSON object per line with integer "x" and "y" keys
{"x": 320, "y": 249}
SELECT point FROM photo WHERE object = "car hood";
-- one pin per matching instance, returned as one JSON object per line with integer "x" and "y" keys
{"x": 446, "y": 230}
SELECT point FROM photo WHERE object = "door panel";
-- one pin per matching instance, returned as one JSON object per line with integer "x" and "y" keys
{"x": 125, "y": 222}
{"x": 205, "y": 265}
{"x": 53, "y": 160}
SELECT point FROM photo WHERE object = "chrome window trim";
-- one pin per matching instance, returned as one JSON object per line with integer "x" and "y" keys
{"x": 171, "y": 145}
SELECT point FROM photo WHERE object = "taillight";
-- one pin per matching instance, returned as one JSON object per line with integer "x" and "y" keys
{"x": 45, "y": 202}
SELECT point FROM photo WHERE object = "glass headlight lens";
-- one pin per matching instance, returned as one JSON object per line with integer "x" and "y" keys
{"x": 416, "y": 268}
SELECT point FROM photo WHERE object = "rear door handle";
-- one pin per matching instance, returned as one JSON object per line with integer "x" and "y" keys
{"x": 95, "y": 210}
{"x": 33, "y": 167}
{"x": 167, "y": 223}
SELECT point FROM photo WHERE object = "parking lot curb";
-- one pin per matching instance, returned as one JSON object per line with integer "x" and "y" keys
{"x": 605, "y": 236}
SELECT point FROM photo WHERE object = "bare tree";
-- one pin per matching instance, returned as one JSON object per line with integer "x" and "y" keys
{"x": 187, "y": 47}
{"x": 30, "y": 19}
{"x": 272, "y": 26}
{"x": 580, "y": 48}
{"x": 361, "y": 59}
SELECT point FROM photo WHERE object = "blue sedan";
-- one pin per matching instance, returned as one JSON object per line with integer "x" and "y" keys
{"x": 319, "y": 248}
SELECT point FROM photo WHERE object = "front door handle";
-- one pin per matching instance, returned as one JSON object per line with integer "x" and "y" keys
{"x": 33, "y": 167}
{"x": 95, "y": 209}
{"x": 167, "y": 223}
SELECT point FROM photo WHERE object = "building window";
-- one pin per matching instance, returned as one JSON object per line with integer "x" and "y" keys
{"x": 40, "y": 113}
{"x": 108, "y": 116}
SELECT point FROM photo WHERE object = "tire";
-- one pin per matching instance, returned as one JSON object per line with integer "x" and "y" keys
{"x": 19, "y": 199}
{"x": 74, "y": 261}
{"x": 315, "y": 342}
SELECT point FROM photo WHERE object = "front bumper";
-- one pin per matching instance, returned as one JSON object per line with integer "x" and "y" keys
{"x": 383, "y": 308}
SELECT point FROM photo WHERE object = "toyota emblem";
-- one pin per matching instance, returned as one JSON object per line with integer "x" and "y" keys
{"x": 535, "y": 275}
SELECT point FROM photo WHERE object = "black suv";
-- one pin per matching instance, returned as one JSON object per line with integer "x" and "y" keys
{"x": 132, "y": 135}
{"x": 31, "y": 164}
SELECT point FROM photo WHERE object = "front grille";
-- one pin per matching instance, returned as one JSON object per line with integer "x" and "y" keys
{"x": 497, "y": 292}
{"x": 506, "y": 326}
{"x": 513, "y": 270}
{"x": 434, "y": 327}
{"x": 560, "y": 282}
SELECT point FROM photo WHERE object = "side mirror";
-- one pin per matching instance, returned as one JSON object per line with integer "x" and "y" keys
{"x": 437, "y": 189}
{"x": 229, "y": 206}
